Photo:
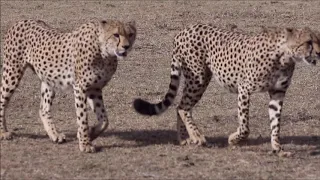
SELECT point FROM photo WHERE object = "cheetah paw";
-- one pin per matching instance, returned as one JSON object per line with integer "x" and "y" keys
{"x": 6, "y": 135}
{"x": 184, "y": 142}
{"x": 88, "y": 148}
{"x": 281, "y": 153}
{"x": 285, "y": 154}
{"x": 235, "y": 140}
{"x": 189, "y": 141}
{"x": 60, "y": 138}
{"x": 233, "y": 147}
{"x": 199, "y": 141}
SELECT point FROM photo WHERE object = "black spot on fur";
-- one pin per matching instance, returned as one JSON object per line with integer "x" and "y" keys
{"x": 173, "y": 87}
{"x": 175, "y": 77}
{"x": 273, "y": 107}
{"x": 169, "y": 95}
{"x": 167, "y": 102}
{"x": 281, "y": 103}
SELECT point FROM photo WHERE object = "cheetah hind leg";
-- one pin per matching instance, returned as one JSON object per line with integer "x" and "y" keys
{"x": 4, "y": 133}
{"x": 195, "y": 136}
{"x": 188, "y": 132}
{"x": 11, "y": 76}
{"x": 182, "y": 134}
{"x": 95, "y": 100}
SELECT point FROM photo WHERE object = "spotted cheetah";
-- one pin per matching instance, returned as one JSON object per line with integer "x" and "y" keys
{"x": 243, "y": 64}
{"x": 84, "y": 59}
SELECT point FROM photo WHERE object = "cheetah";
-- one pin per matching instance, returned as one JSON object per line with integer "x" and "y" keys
{"x": 241, "y": 63}
{"x": 83, "y": 59}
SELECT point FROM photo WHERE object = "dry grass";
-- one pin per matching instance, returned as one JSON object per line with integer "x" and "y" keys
{"x": 137, "y": 147}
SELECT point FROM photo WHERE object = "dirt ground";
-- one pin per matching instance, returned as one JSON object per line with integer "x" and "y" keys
{"x": 139, "y": 147}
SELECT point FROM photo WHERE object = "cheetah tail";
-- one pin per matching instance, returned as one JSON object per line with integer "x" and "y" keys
{"x": 146, "y": 108}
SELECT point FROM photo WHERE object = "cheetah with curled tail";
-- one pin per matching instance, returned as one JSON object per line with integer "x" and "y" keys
{"x": 84, "y": 59}
{"x": 241, "y": 63}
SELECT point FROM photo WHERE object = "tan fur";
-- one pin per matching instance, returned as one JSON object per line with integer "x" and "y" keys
{"x": 243, "y": 64}
{"x": 84, "y": 59}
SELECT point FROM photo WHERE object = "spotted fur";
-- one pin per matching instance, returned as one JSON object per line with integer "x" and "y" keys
{"x": 243, "y": 64}
{"x": 84, "y": 59}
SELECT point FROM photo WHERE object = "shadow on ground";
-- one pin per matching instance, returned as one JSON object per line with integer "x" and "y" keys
{"x": 148, "y": 137}
{"x": 157, "y": 137}
{"x": 153, "y": 137}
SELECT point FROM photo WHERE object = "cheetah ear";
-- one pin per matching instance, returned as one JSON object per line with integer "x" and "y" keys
{"x": 268, "y": 29}
{"x": 104, "y": 23}
{"x": 289, "y": 30}
{"x": 317, "y": 35}
{"x": 298, "y": 33}
{"x": 301, "y": 35}
{"x": 307, "y": 29}
{"x": 292, "y": 34}
{"x": 264, "y": 29}
{"x": 309, "y": 34}
{"x": 231, "y": 26}
{"x": 131, "y": 23}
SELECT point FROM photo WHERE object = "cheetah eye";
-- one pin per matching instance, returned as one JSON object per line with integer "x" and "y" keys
{"x": 116, "y": 35}
{"x": 131, "y": 35}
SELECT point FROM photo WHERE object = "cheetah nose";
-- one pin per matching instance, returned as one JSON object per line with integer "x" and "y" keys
{"x": 126, "y": 47}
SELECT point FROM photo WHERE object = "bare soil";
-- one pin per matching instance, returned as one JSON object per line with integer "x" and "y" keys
{"x": 139, "y": 147}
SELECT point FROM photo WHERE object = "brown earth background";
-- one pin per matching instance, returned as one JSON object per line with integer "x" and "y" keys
{"x": 139, "y": 147}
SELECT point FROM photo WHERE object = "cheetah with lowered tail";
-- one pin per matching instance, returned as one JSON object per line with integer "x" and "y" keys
{"x": 84, "y": 59}
{"x": 241, "y": 63}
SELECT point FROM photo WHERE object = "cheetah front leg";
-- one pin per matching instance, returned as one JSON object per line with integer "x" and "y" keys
{"x": 85, "y": 144}
{"x": 47, "y": 96}
{"x": 95, "y": 101}
{"x": 243, "y": 117}
{"x": 275, "y": 108}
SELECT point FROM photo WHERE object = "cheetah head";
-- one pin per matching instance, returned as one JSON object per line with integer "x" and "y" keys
{"x": 304, "y": 45}
{"x": 116, "y": 38}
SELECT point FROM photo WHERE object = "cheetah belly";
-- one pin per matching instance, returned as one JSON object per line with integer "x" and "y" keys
{"x": 223, "y": 82}
{"x": 61, "y": 77}
{"x": 64, "y": 82}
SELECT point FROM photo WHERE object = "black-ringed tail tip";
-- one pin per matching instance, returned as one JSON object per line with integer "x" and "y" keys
{"x": 144, "y": 107}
